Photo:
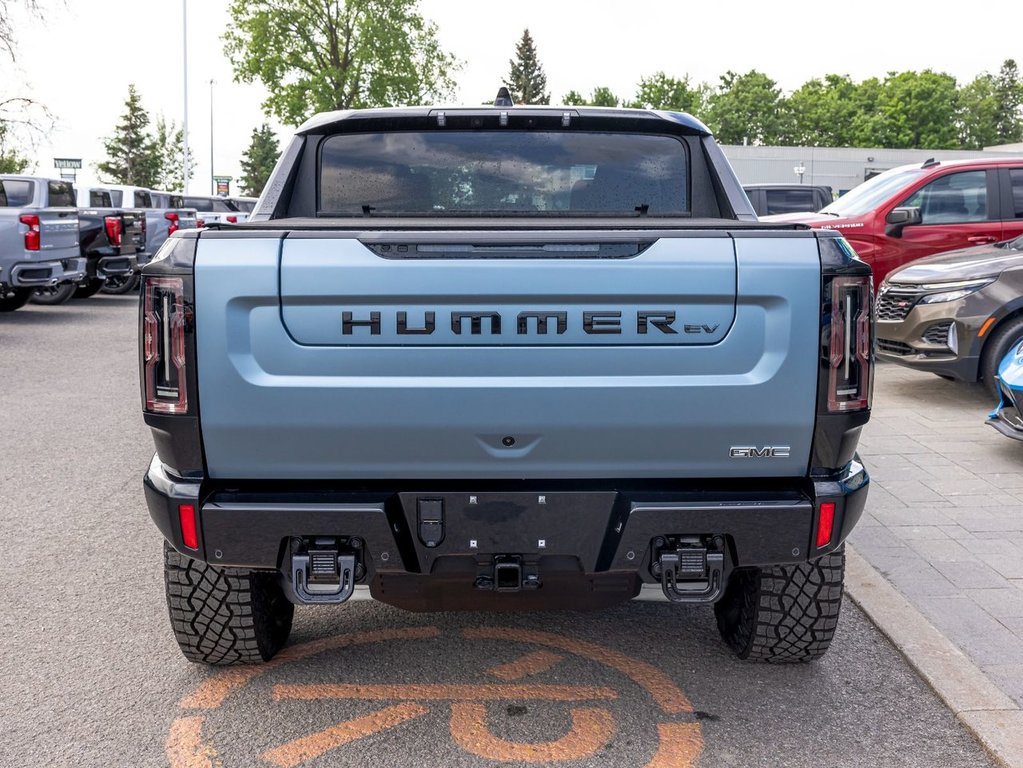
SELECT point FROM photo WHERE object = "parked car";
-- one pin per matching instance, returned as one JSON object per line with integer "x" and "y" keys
{"x": 244, "y": 205}
{"x": 913, "y": 211}
{"x": 768, "y": 199}
{"x": 109, "y": 238}
{"x": 215, "y": 210}
{"x": 38, "y": 238}
{"x": 955, "y": 314}
{"x": 505, "y": 358}
{"x": 164, "y": 215}
{"x": 1007, "y": 417}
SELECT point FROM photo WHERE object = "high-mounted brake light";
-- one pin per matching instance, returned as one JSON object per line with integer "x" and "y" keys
{"x": 113, "y": 225}
{"x": 32, "y": 238}
{"x": 849, "y": 377}
{"x": 174, "y": 222}
{"x": 164, "y": 322}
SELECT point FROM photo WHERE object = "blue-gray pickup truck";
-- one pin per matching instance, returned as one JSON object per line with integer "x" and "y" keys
{"x": 38, "y": 239}
{"x": 505, "y": 358}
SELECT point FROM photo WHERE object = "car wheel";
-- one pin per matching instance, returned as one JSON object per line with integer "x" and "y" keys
{"x": 57, "y": 294}
{"x": 225, "y": 616}
{"x": 91, "y": 288}
{"x": 997, "y": 347}
{"x": 121, "y": 284}
{"x": 785, "y": 613}
{"x": 14, "y": 299}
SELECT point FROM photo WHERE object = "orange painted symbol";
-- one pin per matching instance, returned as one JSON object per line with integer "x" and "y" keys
{"x": 593, "y": 726}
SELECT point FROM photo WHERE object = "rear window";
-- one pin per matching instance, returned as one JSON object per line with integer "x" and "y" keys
{"x": 214, "y": 204}
{"x": 61, "y": 194}
{"x": 245, "y": 206}
{"x": 15, "y": 194}
{"x": 116, "y": 196}
{"x": 790, "y": 200}
{"x": 143, "y": 199}
{"x": 100, "y": 199}
{"x": 503, "y": 173}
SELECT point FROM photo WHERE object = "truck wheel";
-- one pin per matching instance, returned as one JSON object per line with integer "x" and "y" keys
{"x": 91, "y": 288}
{"x": 58, "y": 294}
{"x": 998, "y": 345}
{"x": 14, "y": 299}
{"x": 121, "y": 284}
{"x": 786, "y": 613}
{"x": 225, "y": 616}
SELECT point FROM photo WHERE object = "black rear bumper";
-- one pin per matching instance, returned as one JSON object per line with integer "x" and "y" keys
{"x": 590, "y": 547}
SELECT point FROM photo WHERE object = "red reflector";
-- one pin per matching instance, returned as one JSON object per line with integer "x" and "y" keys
{"x": 232, "y": 219}
{"x": 189, "y": 532}
{"x": 825, "y": 524}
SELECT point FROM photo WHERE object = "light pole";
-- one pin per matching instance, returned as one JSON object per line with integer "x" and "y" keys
{"x": 213, "y": 180}
{"x": 184, "y": 127}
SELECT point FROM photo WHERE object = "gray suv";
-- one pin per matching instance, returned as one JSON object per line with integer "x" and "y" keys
{"x": 955, "y": 314}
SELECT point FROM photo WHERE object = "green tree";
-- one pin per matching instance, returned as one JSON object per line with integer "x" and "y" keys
{"x": 978, "y": 110}
{"x": 170, "y": 144}
{"x": 670, "y": 93}
{"x": 574, "y": 99}
{"x": 259, "y": 160}
{"x": 822, "y": 113}
{"x": 917, "y": 110}
{"x": 602, "y": 96}
{"x": 321, "y": 55}
{"x": 526, "y": 79}
{"x": 1009, "y": 95}
{"x": 747, "y": 108}
{"x": 133, "y": 156}
{"x": 11, "y": 159}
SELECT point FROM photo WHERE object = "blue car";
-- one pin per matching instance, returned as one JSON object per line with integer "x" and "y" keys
{"x": 1006, "y": 417}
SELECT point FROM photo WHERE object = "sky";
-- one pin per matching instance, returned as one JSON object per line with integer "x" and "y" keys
{"x": 581, "y": 44}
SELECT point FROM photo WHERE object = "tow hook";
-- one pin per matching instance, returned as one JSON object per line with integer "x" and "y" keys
{"x": 691, "y": 570}
{"x": 324, "y": 569}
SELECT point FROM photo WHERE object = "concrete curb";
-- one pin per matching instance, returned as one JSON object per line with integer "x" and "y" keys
{"x": 993, "y": 718}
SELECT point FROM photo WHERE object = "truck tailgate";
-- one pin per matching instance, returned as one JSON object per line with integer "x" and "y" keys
{"x": 586, "y": 355}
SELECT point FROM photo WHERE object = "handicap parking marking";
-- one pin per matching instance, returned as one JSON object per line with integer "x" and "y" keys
{"x": 593, "y": 723}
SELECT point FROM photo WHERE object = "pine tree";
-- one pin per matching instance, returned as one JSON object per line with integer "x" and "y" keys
{"x": 527, "y": 80}
{"x": 133, "y": 155}
{"x": 170, "y": 141}
{"x": 259, "y": 160}
{"x": 1009, "y": 96}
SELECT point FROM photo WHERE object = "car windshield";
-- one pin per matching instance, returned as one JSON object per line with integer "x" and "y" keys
{"x": 503, "y": 173}
{"x": 870, "y": 194}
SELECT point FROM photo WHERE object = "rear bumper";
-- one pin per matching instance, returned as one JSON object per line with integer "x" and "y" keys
{"x": 592, "y": 546}
{"x": 43, "y": 274}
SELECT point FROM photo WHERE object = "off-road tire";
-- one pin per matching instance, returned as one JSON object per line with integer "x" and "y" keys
{"x": 225, "y": 616}
{"x": 15, "y": 298}
{"x": 997, "y": 346}
{"x": 90, "y": 288}
{"x": 54, "y": 295}
{"x": 783, "y": 614}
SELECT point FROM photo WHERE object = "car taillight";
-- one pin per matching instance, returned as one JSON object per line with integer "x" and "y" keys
{"x": 32, "y": 236}
{"x": 174, "y": 222}
{"x": 850, "y": 354}
{"x": 232, "y": 219}
{"x": 200, "y": 223}
{"x": 113, "y": 225}
{"x": 164, "y": 325}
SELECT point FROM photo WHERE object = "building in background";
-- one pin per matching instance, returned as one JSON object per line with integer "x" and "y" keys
{"x": 840, "y": 168}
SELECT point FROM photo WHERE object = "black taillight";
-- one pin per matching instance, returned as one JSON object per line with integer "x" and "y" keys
{"x": 165, "y": 321}
{"x": 850, "y": 355}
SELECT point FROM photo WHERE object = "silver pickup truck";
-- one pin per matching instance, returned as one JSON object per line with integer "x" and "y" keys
{"x": 505, "y": 358}
{"x": 38, "y": 238}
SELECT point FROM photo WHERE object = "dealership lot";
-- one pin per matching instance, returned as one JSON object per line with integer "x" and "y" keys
{"x": 93, "y": 677}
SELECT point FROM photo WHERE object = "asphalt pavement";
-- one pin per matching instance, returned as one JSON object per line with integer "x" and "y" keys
{"x": 90, "y": 674}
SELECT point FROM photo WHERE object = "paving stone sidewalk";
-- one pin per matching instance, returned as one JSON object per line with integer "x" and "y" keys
{"x": 944, "y": 519}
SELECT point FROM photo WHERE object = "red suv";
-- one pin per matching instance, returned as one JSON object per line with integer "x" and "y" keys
{"x": 917, "y": 210}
